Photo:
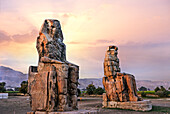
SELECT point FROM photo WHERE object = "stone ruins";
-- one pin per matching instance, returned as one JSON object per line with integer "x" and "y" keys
{"x": 52, "y": 85}
{"x": 120, "y": 88}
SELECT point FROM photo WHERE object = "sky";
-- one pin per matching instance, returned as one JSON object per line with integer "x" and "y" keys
{"x": 140, "y": 29}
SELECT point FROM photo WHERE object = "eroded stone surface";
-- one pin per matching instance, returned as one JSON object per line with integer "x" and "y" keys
{"x": 137, "y": 105}
{"x": 52, "y": 85}
{"x": 119, "y": 87}
{"x": 50, "y": 41}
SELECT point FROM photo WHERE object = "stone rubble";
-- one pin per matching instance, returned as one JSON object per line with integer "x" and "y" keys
{"x": 52, "y": 85}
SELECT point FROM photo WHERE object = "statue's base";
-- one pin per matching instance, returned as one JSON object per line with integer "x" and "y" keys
{"x": 67, "y": 112}
{"x": 144, "y": 105}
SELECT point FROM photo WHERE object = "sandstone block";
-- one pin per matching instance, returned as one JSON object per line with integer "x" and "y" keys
{"x": 104, "y": 97}
{"x": 146, "y": 106}
{"x": 32, "y": 112}
{"x": 62, "y": 103}
{"x": 74, "y": 101}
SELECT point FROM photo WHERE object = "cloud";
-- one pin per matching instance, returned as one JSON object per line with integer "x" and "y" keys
{"x": 4, "y": 37}
{"x": 74, "y": 42}
{"x": 19, "y": 38}
{"x": 25, "y": 38}
{"x": 144, "y": 60}
{"x": 104, "y": 41}
{"x": 100, "y": 41}
{"x": 140, "y": 31}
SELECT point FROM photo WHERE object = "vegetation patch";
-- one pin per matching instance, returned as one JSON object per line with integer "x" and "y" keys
{"x": 11, "y": 91}
{"x": 160, "y": 109}
{"x": 147, "y": 92}
{"x": 154, "y": 109}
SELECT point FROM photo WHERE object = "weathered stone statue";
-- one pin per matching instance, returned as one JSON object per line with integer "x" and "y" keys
{"x": 120, "y": 87}
{"x": 52, "y": 85}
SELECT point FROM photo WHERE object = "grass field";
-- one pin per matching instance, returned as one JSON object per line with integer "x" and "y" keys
{"x": 147, "y": 92}
{"x": 11, "y": 91}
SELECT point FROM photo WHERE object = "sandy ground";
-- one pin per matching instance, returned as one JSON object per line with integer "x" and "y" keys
{"x": 20, "y": 105}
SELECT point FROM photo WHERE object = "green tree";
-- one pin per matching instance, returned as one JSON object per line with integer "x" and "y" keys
{"x": 157, "y": 89}
{"x": 162, "y": 93}
{"x": 24, "y": 87}
{"x": 78, "y": 92}
{"x": 2, "y": 87}
{"x": 142, "y": 88}
{"x": 90, "y": 89}
{"x": 162, "y": 88}
{"x": 17, "y": 88}
{"x": 143, "y": 94}
{"x": 99, "y": 91}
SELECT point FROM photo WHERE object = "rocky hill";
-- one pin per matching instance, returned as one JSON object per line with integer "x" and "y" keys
{"x": 14, "y": 78}
{"x": 11, "y": 77}
{"x": 83, "y": 83}
{"x": 152, "y": 84}
{"x": 146, "y": 83}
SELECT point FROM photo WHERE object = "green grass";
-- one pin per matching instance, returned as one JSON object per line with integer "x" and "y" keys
{"x": 147, "y": 92}
{"x": 11, "y": 91}
{"x": 151, "y": 97}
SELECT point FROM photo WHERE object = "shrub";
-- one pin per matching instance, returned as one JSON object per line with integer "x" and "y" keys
{"x": 90, "y": 89}
{"x": 162, "y": 88}
{"x": 2, "y": 87}
{"x": 99, "y": 91}
{"x": 142, "y": 88}
{"x": 156, "y": 89}
{"x": 24, "y": 87}
{"x": 162, "y": 93}
{"x": 78, "y": 92}
{"x": 143, "y": 94}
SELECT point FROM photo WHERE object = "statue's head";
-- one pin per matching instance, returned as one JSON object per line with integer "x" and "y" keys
{"x": 50, "y": 41}
{"x": 53, "y": 29}
{"x": 112, "y": 50}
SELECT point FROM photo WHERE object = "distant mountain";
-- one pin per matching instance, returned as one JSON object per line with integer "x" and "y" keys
{"x": 11, "y": 77}
{"x": 83, "y": 83}
{"x": 152, "y": 84}
{"x": 146, "y": 83}
{"x": 14, "y": 78}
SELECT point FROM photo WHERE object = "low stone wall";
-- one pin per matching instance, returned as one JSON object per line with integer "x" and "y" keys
{"x": 144, "y": 105}
{"x": 3, "y": 95}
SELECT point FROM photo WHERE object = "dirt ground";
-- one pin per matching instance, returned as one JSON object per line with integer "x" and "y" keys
{"x": 20, "y": 105}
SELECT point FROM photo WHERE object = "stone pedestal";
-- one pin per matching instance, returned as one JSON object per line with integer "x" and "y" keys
{"x": 144, "y": 105}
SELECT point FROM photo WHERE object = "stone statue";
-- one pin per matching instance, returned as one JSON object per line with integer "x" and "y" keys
{"x": 119, "y": 87}
{"x": 52, "y": 85}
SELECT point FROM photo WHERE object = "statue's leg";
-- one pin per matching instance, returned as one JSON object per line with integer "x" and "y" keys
{"x": 73, "y": 76}
{"x": 131, "y": 87}
{"x": 62, "y": 80}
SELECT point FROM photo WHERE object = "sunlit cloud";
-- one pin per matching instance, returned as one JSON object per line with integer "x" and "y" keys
{"x": 139, "y": 28}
